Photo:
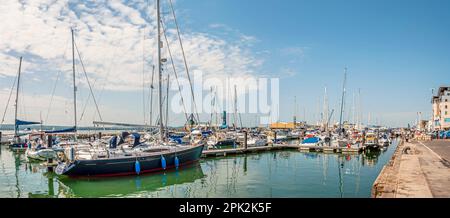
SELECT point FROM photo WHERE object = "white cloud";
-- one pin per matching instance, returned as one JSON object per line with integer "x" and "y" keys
{"x": 109, "y": 35}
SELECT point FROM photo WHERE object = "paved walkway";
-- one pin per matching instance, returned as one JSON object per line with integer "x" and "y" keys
{"x": 436, "y": 167}
{"x": 412, "y": 181}
{"x": 440, "y": 147}
{"x": 421, "y": 172}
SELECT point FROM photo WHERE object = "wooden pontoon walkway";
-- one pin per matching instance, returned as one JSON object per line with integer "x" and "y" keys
{"x": 304, "y": 148}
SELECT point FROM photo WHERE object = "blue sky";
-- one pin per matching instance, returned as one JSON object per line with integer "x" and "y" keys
{"x": 395, "y": 51}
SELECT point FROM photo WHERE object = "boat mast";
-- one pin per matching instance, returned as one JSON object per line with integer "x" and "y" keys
{"x": 151, "y": 97}
{"x": 16, "y": 128}
{"x": 211, "y": 115}
{"x": 167, "y": 104}
{"x": 74, "y": 86}
{"x": 325, "y": 111}
{"x": 359, "y": 109}
{"x": 158, "y": 20}
{"x": 235, "y": 107}
{"x": 295, "y": 112}
{"x": 342, "y": 101}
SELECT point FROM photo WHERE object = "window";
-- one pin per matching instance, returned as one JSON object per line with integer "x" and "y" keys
{"x": 445, "y": 106}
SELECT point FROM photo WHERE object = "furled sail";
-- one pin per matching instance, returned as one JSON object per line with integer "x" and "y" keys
{"x": 23, "y": 122}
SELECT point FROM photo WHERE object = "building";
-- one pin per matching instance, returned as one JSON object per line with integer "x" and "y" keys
{"x": 441, "y": 109}
{"x": 423, "y": 125}
{"x": 282, "y": 125}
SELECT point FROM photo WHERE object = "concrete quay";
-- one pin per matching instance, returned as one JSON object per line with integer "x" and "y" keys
{"x": 418, "y": 169}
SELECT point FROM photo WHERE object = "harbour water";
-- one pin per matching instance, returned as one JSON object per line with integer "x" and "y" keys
{"x": 288, "y": 173}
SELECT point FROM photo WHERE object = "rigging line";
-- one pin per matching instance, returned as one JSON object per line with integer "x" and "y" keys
{"x": 57, "y": 79}
{"x": 22, "y": 106}
{"x": 150, "y": 97}
{"x": 87, "y": 79}
{"x": 87, "y": 101}
{"x": 184, "y": 58}
{"x": 53, "y": 94}
{"x": 109, "y": 71}
{"x": 143, "y": 78}
{"x": 9, "y": 99}
{"x": 174, "y": 70}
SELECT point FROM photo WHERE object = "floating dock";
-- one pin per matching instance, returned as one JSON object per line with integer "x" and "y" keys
{"x": 235, "y": 151}
{"x": 302, "y": 148}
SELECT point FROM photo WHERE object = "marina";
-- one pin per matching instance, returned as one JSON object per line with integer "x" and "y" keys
{"x": 243, "y": 175}
{"x": 169, "y": 99}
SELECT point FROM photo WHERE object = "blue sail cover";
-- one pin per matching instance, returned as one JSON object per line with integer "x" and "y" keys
{"x": 22, "y": 122}
{"x": 311, "y": 140}
{"x": 61, "y": 131}
{"x": 206, "y": 133}
{"x": 137, "y": 138}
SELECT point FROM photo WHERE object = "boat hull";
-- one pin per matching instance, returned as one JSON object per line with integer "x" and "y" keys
{"x": 127, "y": 166}
{"x": 20, "y": 147}
{"x": 225, "y": 143}
{"x": 40, "y": 155}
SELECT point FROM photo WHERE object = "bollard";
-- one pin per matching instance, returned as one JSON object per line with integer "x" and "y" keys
{"x": 50, "y": 160}
{"x": 245, "y": 140}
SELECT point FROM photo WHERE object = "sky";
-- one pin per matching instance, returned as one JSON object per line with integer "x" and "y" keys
{"x": 395, "y": 52}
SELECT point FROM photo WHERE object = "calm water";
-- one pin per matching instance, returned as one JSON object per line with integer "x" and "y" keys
{"x": 271, "y": 174}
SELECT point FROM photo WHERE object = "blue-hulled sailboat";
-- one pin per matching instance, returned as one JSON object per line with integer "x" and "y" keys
{"x": 19, "y": 143}
{"x": 135, "y": 159}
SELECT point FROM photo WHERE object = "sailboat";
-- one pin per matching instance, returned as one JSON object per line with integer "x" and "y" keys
{"x": 115, "y": 160}
{"x": 342, "y": 140}
{"x": 18, "y": 143}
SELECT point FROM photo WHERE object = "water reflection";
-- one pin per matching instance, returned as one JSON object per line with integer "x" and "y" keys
{"x": 270, "y": 174}
{"x": 123, "y": 186}
{"x": 371, "y": 157}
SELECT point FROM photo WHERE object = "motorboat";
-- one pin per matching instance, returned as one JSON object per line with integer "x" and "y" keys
{"x": 371, "y": 140}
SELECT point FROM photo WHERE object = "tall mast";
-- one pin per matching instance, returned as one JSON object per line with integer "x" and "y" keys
{"x": 235, "y": 107}
{"x": 158, "y": 20}
{"x": 16, "y": 128}
{"x": 151, "y": 97}
{"x": 212, "y": 106}
{"x": 342, "y": 101}
{"x": 295, "y": 112}
{"x": 353, "y": 111}
{"x": 167, "y": 103}
{"x": 74, "y": 86}
{"x": 325, "y": 110}
{"x": 359, "y": 109}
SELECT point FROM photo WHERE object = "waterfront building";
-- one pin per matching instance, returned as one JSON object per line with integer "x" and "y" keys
{"x": 441, "y": 109}
{"x": 282, "y": 125}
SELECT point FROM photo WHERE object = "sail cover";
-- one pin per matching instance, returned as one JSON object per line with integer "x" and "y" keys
{"x": 311, "y": 140}
{"x": 23, "y": 122}
{"x": 137, "y": 138}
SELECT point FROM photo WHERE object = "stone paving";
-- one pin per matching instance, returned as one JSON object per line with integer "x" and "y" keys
{"x": 417, "y": 170}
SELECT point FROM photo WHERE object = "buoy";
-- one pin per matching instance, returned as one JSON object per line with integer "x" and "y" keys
{"x": 137, "y": 167}
{"x": 177, "y": 162}
{"x": 163, "y": 162}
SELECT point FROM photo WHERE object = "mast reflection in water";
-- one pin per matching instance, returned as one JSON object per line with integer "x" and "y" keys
{"x": 271, "y": 174}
